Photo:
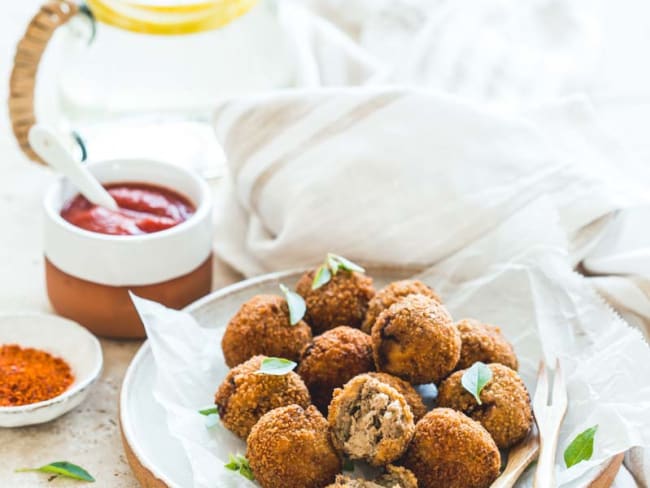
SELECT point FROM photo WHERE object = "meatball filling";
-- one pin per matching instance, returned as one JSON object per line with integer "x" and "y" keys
{"x": 395, "y": 477}
{"x": 372, "y": 417}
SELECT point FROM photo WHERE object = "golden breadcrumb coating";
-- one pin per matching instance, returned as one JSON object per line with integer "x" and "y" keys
{"x": 416, "y": 340}
{"x": 244, "y": 396}
{"x": 449, "y": 449}
{"x": 370, "y": 420}
{"x": 505, "y": 411}
{"x": 262, "y": 326}
{"x": 332, "y": 359}
{"x": 290, "y": 447}
{"x": 392, "y": 293}
{"x": 412, "y": 397}
{"x": 341, "y": 301}
{"x": 485, "y": 343}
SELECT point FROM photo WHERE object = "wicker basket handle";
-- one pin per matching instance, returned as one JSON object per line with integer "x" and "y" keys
{"x": 23, "y": 76}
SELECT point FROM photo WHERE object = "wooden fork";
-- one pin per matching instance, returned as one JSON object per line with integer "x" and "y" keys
{"x": 549, "y": 414}
{"x": 519, "y": 458}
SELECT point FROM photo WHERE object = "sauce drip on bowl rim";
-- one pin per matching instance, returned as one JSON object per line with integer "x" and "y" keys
{"x": 143, "y": 209}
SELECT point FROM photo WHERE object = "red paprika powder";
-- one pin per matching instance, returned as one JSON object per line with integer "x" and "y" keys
{"x": 30, "y": 375}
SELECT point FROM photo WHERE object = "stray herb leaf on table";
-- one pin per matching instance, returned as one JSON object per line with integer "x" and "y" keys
{"x": 475, "y": 379}
{"x": 296, "y": 303}
{"x": 62, "y": 468}
{"x": 276, "y": 366}
{"x": 581, "y": 448}
{"x": 240, "y": 464}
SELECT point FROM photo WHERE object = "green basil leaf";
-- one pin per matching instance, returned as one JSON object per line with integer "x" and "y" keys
{"x": 321, "y": 277}
{"x": 240, "y": 463}
{"x": 296, "y": 303}
{"x": 332, "y": 263}
{"x": 475, "y": 378}
{"x": 348, "y": 464}
{"x": 209, "y": 410}
{"x": 343, "y": 263}
{"x": 232, "y": 464}
{"x": 581, "y": 448}
{"x": 62, "y": 468}
{"x": 276, "y": 366}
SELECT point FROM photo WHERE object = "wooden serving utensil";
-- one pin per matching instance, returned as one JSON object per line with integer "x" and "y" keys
{"x": 549, "y": 414}
{"x": 519, "y": 458}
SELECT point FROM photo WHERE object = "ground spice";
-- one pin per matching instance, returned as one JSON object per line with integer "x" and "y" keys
{"x": 30, "y": 375}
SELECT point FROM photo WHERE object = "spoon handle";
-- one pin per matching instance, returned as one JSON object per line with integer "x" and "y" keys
{"x": 47, "y": 145}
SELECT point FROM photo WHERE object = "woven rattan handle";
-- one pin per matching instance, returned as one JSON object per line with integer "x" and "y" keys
{"x": 23, "y": 76}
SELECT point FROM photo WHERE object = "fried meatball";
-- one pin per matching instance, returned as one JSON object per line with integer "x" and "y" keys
{"x": 392, "y": 293}
{"x": 505, "y": 404}
{"x": 332, "y": 359}
{"x": 449, "y": 449}
{"x": 370, "y": 420}
{"x": 262, "y": 326}
{"x": 343, "y": 300}
{"x": 412, "y": 397}
{"x": 394, "y": 477}
{"x": 244, "y": 396}
{"x": 485, "y": 343}
{"x": 290, "y": 447}
{"x": 416, "y": 340}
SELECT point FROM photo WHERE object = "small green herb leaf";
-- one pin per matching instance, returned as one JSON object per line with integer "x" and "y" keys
{"x": 322, "y": 276}
{"x": 581, "y": 448}
{"x": 297, "y": 307}
{"x": 348, "y": 464}
{"x": 475, "y": 378}
{"x": 62, "y": 468}
{"x": 209, "y": 410}
{"x": 240, "y": 463}
{"x": 276, "y": 366}
{"x": 339, "y": 262}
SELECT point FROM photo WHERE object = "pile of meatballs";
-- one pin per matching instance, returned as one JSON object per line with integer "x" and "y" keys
{"x": 361, "y": 355}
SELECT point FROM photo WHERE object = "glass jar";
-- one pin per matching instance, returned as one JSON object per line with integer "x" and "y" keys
{"x": 124, "y": 58}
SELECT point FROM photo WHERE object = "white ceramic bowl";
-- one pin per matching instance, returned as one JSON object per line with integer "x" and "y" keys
{"x": 61, "y": 338}
{"x": 89, "y": 274}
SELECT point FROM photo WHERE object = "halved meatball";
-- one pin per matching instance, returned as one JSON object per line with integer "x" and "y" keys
{"x": 262, "y": 326}
{"x": 244, "y": 396}
{"x": 392, "y": 293}
{"x": 412, "y": 397}
{"x": 290, "y": 447}
{"x": 505, "y": 410}
{"x": 343, "y": 300}
{"x": 332, "y": 359}
{"x": 485, "y": 343}
{"x": 416, "y": 340}
{"x": 449, "y": 449}
{"x": 370, "y": 420}
{"x": 394, "y": 477}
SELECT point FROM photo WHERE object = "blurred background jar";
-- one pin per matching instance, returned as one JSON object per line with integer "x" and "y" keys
{"x": 142, "y": 71}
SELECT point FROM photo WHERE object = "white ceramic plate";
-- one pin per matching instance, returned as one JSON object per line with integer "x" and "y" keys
{"x": 157, "y": 458}
{"x": 62, "y": 338}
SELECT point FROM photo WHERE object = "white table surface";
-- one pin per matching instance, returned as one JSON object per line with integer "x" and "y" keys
{"x": 89, "y": 435}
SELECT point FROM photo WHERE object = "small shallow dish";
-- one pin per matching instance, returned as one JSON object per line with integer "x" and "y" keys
{"x": 61, "y": 338}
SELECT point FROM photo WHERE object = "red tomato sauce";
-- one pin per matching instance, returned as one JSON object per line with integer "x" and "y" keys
{"x": 144, "y": 209}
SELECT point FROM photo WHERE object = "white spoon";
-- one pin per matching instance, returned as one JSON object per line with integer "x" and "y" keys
{"x": 48, "y": 146}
